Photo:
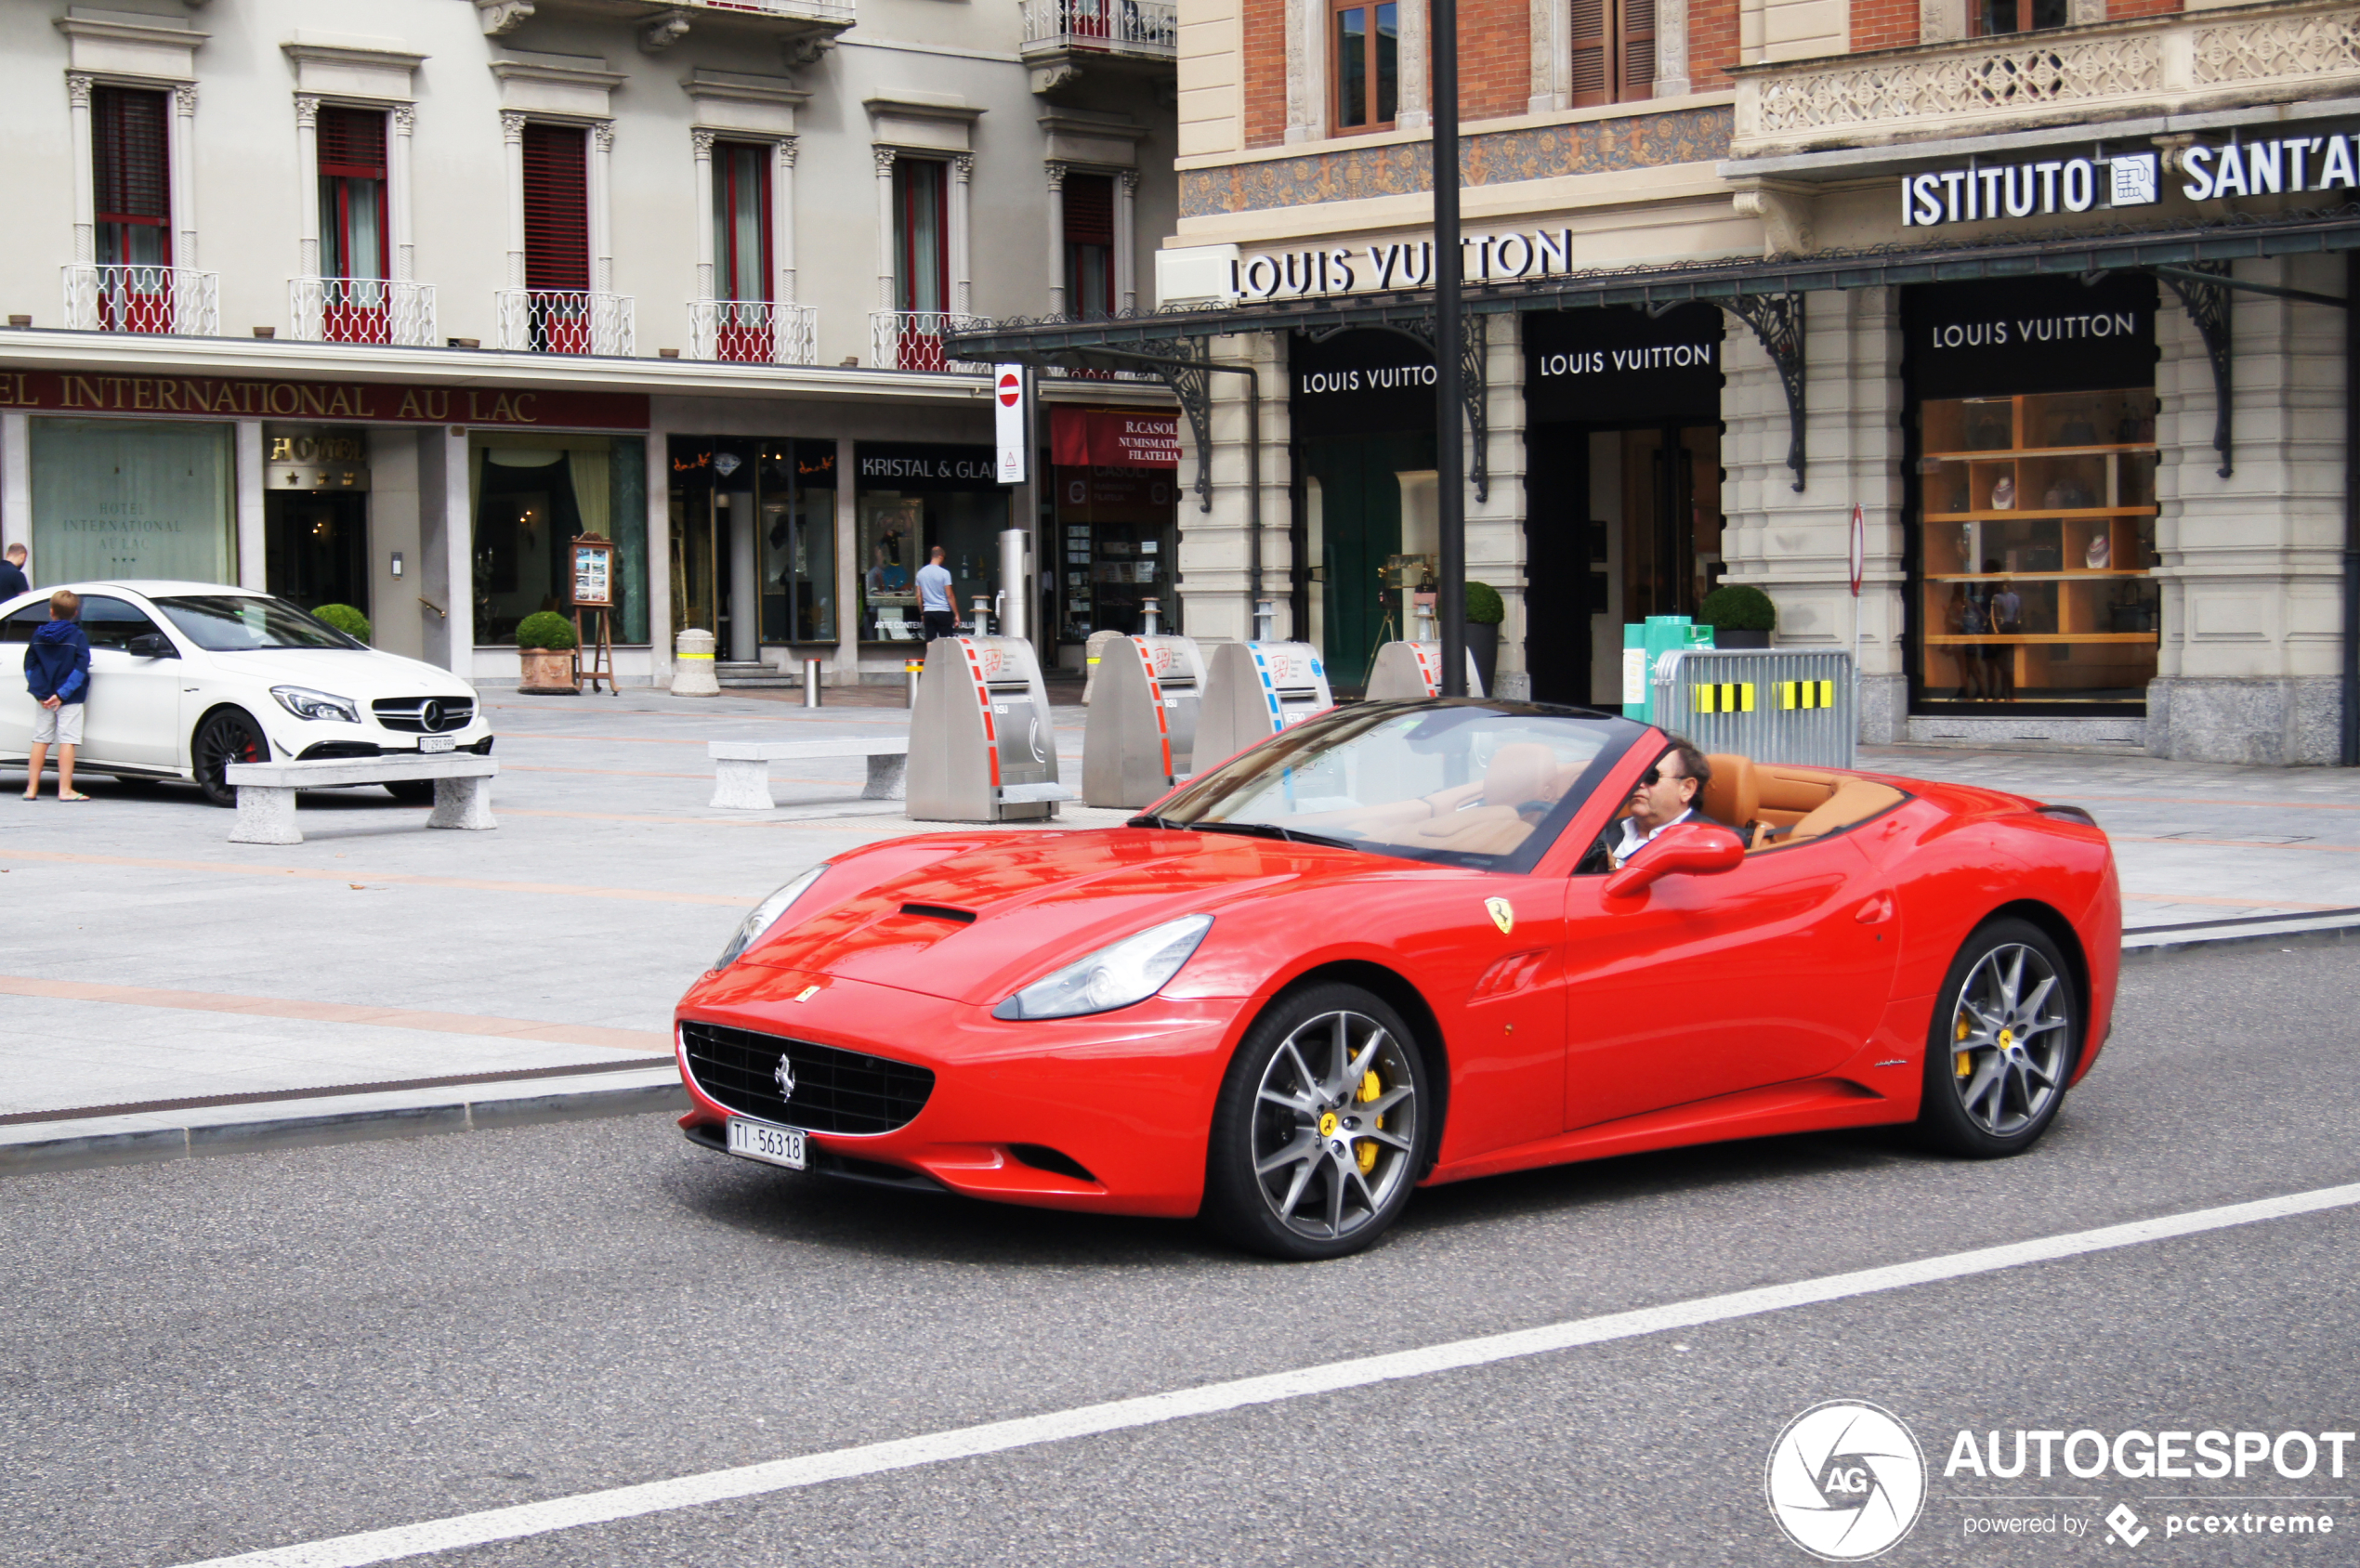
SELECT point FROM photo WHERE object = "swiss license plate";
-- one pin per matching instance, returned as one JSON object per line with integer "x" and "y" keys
{"x": 429, "y": 744}
{"x": 759, "y": 1140}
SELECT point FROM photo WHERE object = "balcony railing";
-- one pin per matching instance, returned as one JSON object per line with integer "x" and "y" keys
{"x": 143, "y": 299}
{"x": 911, "y": 339}
{"x": 752, "y": 331}
{"x": 1146, "y": 27}
{"x": 378, "y": 310}
{"x": 2170, "y": 62}
{"x": 565, "y": 321}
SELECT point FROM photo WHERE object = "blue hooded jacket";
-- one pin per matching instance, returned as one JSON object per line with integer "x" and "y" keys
{"x": 57, "y": 664}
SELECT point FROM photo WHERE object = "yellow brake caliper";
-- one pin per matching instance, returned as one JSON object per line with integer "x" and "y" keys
{"x": 1366, "y": 1149}
{"x": 1965, "y": 1063}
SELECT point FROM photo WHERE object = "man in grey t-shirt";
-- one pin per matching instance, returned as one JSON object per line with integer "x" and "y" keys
{"x": 934, "y": 598}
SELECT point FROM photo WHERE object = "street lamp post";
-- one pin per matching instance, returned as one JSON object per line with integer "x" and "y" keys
{"x": 1451, "y": 592}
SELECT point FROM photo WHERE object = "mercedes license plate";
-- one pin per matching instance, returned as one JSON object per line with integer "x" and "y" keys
{"x": 760, "y": 1140}
{"x": 429, "y": 744}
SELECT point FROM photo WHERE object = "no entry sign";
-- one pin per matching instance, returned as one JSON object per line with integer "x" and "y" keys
{"x": 1008, "y": 396}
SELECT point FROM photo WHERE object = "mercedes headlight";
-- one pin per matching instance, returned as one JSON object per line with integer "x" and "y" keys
{"x": 766, "y": 915}
{"x": 1130, "y": 971}
{"x": 306, "y": 703}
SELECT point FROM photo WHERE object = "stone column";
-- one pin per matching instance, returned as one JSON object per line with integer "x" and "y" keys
{"x": 512, "y": 147}
{"x": 403, "y": 123}
{"x": 1126, "y": 241}
{"x": 745, "y": 581}
{"x": 1414, "y": 110}
{"x": 962, "y": 172}
{"x": 657, "y": 523}
{"x": 887, "y": 263}
{"x": 2251, "y": 568}
{"x": 1496, "y": 541}
{"x": 602, "y": 211}
{"x": 307, "y": 190}
{"x": 84, "y": 172}
{"x": 1056, "y": 173}
{"x": 253, "y": 545}
{"x": 16, "y": 483}
{"x": 701, "y": 160}
{"x": 1671, "y": 48}
{"x": 782, "y": 217}
{"x": 1795, "y": 546}
{"x": 1214, "y": 547}
{"x": 183, "y": 154}
{"x": 458, "y": 543}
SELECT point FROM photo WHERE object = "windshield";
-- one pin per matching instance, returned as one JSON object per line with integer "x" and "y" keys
{"x": 1464, "y": 782}
{"x": 241, "y": 623}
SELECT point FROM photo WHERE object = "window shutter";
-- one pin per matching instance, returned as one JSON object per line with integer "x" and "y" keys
{"x": 1635, "y": 49}
{"x": 557, "y": 208}
{"x": 1589, "y": 77}
{"x": 128, "y": 126}
{"x": 352, "y": 143}
{"x": 1089, "y": 210}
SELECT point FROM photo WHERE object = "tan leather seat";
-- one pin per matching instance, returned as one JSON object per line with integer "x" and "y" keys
{"x": 1855, "y": 801}
{"x": 1731, "y": 795}
{"x": 1519, "y": 775}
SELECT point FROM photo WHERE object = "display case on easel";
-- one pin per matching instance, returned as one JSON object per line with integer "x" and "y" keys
{"x": 596, "y": 596}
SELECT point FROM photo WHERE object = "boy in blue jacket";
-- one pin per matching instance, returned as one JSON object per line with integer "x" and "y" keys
{"x": 57, "y": 671}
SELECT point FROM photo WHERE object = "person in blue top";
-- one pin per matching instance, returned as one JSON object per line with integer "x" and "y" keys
{"x": 57, "y": 671}
{"x": 12, "y": 578}
{"x": 934, "y": 598}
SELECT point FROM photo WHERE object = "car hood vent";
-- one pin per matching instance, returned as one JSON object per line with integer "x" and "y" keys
{"x": 940, "y": 912}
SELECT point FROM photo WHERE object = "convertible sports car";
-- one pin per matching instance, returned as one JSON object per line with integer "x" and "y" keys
{"x": 1389, "y": 946}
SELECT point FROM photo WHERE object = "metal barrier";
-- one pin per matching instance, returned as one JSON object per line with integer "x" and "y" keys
{"x": 1142, "y": 731}
{"x": 981, "y": 748}
{"x": 1772, "y": 705}
{"x": 1255, "y": 691}
{"x": 1412, "y": 671}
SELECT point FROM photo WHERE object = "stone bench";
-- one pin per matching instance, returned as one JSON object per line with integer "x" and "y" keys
{"x": 267, "y": 790}
{"x": 741, "y": 768}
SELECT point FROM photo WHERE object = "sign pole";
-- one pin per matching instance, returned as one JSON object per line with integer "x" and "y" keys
{"x": 1450, "y": 593}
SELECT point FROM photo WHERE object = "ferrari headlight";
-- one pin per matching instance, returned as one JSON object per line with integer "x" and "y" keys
{"x": 1130, "y": 971}
{"x": 766, "y": 915}
{"x": 306, "y": 703}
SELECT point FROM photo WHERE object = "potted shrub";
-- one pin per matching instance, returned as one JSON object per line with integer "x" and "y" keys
{"x": 345, "y": 618}
{"x": 546, "y": 643}
{"x": 1484, "y": 614}
{"x": 1739, "y": 614}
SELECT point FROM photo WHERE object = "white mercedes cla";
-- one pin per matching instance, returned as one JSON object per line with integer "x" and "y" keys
{"x": 187, "y": 677}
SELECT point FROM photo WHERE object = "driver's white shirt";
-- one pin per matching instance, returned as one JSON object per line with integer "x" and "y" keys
{"x": 1633, "y": 841}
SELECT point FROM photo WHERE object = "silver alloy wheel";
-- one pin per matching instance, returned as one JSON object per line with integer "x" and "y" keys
{"x": 1335, "y": 1125}
{"x": 2008, "y": 1038}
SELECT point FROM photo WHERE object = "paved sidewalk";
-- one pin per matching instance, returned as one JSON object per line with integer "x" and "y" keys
{"x": 164, "y": 992}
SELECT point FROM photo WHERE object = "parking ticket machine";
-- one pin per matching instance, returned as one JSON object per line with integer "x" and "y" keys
{"x": 1141, "y": 736}
{"x": 1412, "y": 671}
{"x": 1254, "y": 691}
{"x": 981, "y": 748}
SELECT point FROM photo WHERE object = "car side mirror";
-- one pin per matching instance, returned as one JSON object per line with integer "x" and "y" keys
{"x": 1689, "y": 848}
{"x": 150, "y": 644}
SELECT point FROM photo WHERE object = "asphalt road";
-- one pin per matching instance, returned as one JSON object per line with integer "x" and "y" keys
{"x": 225, "y": 1354}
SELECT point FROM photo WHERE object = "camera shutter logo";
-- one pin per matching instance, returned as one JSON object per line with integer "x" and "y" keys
{"x": 1846, "y": 1481}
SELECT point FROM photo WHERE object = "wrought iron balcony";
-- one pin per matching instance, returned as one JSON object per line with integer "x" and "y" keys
{"x": 752, "y": 331}
{"x": 911, "y": 339}
{"x": 378, "y": 310}
{"x": 2066, "y": 75}
{"x": 1140, "y": 28}
{"x": 142, "y": 299}
{"x": 565, "y": 321}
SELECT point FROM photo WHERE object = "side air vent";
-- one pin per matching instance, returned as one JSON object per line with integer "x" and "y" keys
{"x": 940, "y": 912}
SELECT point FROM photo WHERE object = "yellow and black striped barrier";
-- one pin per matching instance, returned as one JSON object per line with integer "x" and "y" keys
{"x": 1727, "y": 696}
{"x": 1806, "y": 694}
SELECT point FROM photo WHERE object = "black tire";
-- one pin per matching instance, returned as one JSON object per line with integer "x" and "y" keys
{"x": 1341, "y": 1192}
{"x": 411, "y": 792}
{"x": 2010, "y": 1015}
{"x": 228, "y": 736}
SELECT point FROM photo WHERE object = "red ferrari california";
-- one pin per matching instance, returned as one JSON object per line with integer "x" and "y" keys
{"x": 1406, "y": 943}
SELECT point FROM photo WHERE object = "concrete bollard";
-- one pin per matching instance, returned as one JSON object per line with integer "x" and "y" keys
{"x": 693, "y": 672}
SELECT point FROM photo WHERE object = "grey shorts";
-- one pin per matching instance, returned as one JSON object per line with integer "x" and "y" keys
{"x": 60, "y": 725}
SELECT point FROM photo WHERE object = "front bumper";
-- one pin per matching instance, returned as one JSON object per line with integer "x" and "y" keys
{"x": 1127, "y": 1095}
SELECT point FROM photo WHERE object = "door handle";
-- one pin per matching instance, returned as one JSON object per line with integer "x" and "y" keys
{"x": 1876, "y": 911}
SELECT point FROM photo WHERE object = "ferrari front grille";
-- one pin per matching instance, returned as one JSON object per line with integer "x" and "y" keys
{"x": 833, "y": 1091}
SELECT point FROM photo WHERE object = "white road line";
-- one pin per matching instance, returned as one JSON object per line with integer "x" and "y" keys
{"x": 995, "y": 1437}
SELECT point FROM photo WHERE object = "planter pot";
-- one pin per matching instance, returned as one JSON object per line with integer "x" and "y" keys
{"x": 1729, "y": 637}
{"x": 548, "y": 672}
{"x": 1483, "y": 641}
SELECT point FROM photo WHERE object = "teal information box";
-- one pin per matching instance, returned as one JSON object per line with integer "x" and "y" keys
{"x": 1642, "y": 646}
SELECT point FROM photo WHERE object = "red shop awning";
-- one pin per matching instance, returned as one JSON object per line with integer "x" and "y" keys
{"x": 1102, "y": 438}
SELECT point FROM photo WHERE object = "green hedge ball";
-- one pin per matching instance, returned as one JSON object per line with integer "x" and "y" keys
{"x": 345, "y": 618}
{"x": 545, "y": 628}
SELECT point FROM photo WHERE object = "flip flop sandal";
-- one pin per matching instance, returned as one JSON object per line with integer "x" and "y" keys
{"x": 77, "y": 795}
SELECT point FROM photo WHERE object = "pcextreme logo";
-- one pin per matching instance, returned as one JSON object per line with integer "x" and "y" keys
{"x": 1846, "y": 1481}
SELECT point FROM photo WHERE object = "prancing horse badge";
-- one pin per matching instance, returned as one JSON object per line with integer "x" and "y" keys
{"x": 1502, "y": 915}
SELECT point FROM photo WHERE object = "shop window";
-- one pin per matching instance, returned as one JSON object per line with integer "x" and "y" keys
{"x": 533, "y": 494}
{"x": 799, "y": 542}
{"x": 921, "y": 223}
{"x": 1367, "y": 42}
{"x": 116, "y": 497}
{"x": 740, "y": 223}
{"x": 1613, "y": 51}
{"x": 2037, "y": 537}
{"x": 1089, "y": 212}
{"x": 910, "y": 498}
{"x": 134, "y": 190}
{"x": 1992, "y": 17}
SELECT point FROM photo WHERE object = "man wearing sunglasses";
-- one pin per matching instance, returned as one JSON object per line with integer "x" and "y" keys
{"x": 1668, "y": 792}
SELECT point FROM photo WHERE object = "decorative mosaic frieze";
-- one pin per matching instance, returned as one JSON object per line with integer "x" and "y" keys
{"x": 1589, "y": 147}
